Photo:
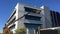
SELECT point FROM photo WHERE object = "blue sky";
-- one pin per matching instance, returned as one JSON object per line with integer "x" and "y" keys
{"x": 7, "y": 6}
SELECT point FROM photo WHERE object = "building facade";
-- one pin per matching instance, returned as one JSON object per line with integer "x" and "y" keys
{"x": 41, "y": 17}
{"x": 55, "y": 16}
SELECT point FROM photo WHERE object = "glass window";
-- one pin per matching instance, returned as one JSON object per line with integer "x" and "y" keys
{"x": 32, "y": 10}
{"x": 12, "y": 27}
{"x": 32, "y": 17}
{"x": 12, "y": 16}
{"x": 13, "y": 20}
{"x": 32, "y": 25}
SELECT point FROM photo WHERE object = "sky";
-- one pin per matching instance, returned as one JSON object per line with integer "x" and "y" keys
{"x": 7, "y": 6}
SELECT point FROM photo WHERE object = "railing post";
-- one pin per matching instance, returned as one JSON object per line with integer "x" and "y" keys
{"x": 38, "y": 30}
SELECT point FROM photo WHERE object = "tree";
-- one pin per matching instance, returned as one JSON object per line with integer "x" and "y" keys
{"x": 58, "y": 31}
{"x": 20, "y": 31}
{"x": 11, "y": 32}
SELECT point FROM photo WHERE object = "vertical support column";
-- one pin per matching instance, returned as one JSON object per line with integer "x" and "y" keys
{"x": 38, "y": 30}
{"x": 34, "y": 31}
{"x": 27, "y": 31}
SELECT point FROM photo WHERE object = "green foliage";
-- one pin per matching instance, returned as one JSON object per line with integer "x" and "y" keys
{"x": 58, "y": 31}
{"x": 11, "y": 32}
{"x": 20, "y": 31}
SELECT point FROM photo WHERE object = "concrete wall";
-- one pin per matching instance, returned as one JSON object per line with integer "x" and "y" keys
{"x": 46, "y": 17}
{"x": 21, "y": 12}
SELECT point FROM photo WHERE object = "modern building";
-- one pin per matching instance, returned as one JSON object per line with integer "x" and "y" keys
{"x": 41, "y": 17}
